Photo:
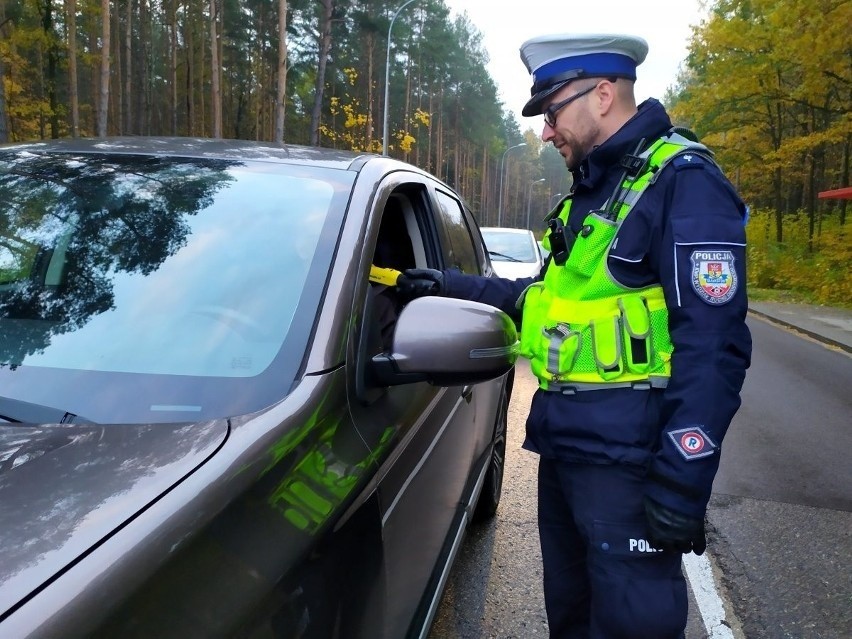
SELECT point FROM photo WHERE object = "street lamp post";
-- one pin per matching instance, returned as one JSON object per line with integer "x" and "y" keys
{"x": 387, "y": 80}
{"x": 500, "y": 202}
{"x": 554, "y": 199}
{"x": 529, "y": 197}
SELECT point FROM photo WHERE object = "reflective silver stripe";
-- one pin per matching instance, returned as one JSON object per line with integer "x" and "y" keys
{"x": 676, "y": 138}
{"x": 497, "y": 351}
{"x": 631, "y": 197}
{"x": 569, "y": 388}
{"x": 557, "y": 335}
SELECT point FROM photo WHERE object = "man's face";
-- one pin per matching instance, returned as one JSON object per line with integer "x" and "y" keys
{"x": 574, "y": 129}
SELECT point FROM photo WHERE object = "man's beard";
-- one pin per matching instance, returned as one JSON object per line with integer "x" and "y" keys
{"x": 576, "y": 156}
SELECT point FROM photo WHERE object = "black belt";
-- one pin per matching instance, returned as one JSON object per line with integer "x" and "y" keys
{"x": 569, "y": 388}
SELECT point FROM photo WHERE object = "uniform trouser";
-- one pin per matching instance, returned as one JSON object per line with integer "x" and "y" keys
{"x": 602, "y": 580}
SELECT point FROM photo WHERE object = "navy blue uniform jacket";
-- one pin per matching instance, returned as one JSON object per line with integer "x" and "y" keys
{"x": 677, "y": 230}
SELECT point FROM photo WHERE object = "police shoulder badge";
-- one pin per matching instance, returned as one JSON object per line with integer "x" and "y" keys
{"x": 692, "y": 443}
{"x": 713, "y": 276}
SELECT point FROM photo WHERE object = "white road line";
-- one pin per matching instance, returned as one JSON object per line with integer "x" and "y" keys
{"x": 700, "y": 576}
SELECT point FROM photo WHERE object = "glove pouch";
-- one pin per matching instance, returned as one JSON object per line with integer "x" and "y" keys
{"x": 606, "y": 342}
{"x": 636, "y": 334}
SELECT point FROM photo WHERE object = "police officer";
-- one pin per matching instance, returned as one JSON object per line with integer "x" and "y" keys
{"x": 636, "y": 332}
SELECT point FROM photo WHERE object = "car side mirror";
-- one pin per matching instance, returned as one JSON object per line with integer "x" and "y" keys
{"x": 447, "y": 342}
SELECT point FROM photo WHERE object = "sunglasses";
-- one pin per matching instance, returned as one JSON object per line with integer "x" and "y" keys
{"x": 551, "y": 111}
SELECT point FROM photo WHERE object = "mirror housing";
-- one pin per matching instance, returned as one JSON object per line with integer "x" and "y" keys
{"x": 447, "y": 342}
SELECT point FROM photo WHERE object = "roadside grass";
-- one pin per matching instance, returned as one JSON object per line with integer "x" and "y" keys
{"x": 756, "y": 294}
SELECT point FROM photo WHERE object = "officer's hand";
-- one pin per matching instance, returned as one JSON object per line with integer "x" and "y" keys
{"x": 417, "y": 282}
{"x": 670, "y": 530}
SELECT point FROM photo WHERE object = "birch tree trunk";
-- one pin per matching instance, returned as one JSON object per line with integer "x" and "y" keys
{"x": 282, "y": 72}
{"x": 103, "y": 102}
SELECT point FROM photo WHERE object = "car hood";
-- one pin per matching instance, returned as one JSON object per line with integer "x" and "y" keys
{"x": 66, "y": 488}
{"x": 516, "y": 270}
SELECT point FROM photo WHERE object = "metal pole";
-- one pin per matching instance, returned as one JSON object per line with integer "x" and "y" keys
{"x": 502, "y": 162}
{"x": 387, "y": 80}
{"x": 554, "y": 199}
{"x": 529, "y": 197}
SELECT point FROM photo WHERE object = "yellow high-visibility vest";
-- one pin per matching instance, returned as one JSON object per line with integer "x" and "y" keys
{"x": 581, "y": 329}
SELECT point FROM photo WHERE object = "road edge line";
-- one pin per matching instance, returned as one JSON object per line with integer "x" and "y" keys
{"x": 710, "y": 605}
{"x": 803, "y": 331}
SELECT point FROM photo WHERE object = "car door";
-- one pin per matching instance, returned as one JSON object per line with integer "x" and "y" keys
{"x": 423, "y": 436}
{"x": 464, "y": 250}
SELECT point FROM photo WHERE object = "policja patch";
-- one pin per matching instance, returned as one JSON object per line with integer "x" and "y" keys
{"x": 713, "y": 276}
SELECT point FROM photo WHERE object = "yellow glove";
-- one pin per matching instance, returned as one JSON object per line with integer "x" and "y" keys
{"x": 386, "y": 276}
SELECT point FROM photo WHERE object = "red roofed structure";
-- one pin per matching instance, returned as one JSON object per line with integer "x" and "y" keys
{"x": 836, "y": 194}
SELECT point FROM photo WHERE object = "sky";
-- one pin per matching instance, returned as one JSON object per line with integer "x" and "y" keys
{"x": 505, "y": 25}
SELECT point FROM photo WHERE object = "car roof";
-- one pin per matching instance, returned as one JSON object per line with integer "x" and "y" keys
{"x": 201, "y": 148}
{"x": 503, "y": 229}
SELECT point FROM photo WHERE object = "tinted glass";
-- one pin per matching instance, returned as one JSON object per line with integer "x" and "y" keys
{"x": 456, "y": 236}
{"x": 173, "y": 283}
{"x": 504, "y": 246}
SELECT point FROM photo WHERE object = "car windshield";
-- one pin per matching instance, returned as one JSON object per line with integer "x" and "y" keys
{"x": 178, "y": 284}
{"x": 510, "y": 246}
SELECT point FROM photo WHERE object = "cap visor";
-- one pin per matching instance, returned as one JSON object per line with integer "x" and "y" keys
{"x": 533, "y": 106}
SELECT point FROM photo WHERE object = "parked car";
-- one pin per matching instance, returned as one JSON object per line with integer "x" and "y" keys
{"x": 213, "y": 423}
{"x": 514, "y": 252}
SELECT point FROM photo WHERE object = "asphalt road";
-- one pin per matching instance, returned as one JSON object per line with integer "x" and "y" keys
{"x": 495, "y": 586}
{"x": 781, "y": 512}
{"x": 779, "y": 522}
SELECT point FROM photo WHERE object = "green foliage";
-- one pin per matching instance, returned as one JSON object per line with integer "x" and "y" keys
{"x": 815, "y": 269}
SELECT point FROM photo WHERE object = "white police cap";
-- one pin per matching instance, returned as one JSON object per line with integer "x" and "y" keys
{"x": 555, "y": 60}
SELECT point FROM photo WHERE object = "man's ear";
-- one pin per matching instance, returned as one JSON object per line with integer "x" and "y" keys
{"x": 605, "y": 95}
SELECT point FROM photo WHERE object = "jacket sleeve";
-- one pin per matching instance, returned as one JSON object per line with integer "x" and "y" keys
{"x": 701, "y": 256}
{"x": 496, "y": 291}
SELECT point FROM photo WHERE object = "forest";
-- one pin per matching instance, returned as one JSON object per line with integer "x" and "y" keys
{"x": 767, "y": 84}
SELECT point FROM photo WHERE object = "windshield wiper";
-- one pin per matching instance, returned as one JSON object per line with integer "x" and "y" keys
{"x": 15, "y": 410}
{"x": 508, "y": 257}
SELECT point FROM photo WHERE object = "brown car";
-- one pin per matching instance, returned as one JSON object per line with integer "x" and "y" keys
{"x": 211, "y": 422}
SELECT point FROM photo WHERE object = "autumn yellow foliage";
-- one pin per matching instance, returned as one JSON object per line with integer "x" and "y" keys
{"x": 815, "y": 269}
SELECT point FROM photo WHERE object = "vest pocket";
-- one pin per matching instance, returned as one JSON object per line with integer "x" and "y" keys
{"x": 562, "y": 347}
{"x": 636, "y": 334}
{"x": 590, "y": 245}
{"x": 533, "y": 302}
{"x": 606, "y": 345}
